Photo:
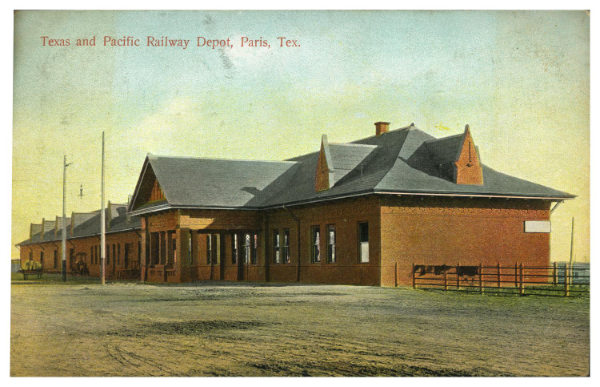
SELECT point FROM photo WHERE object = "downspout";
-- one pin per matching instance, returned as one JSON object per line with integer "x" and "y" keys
{"x": 297, "y": 239}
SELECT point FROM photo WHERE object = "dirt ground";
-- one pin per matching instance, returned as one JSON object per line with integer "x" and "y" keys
{"x": 233, "y": 329}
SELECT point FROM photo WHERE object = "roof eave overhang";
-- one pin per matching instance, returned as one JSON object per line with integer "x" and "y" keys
{"x": 476, "y": 195}
{"x": 166, "y": 206}
{"x": 29, "y": 243}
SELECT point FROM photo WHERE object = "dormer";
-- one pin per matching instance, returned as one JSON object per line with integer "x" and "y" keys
{"x": 78, "y": 218}
{"x": 58, "y": 226}
{"x": 454, "y": 158}
{"x": 35, "y": 230}
{"x": 324, "y": 176}
{"x": 467, "y": 167}
{"x": 47, "y": 225}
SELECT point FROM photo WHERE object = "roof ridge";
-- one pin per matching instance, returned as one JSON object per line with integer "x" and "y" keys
{"x": 445, "y": 138}
{"x": 86, "y": 212}
{"x": 220, "y": 159}
{"x": 352, "y": 144}
{"x": 390, "y": 131}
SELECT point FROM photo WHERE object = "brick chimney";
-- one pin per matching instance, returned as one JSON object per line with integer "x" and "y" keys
{"x": 381, "y": 128}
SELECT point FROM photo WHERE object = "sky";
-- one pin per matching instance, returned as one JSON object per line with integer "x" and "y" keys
{"x": 521, "y": 80}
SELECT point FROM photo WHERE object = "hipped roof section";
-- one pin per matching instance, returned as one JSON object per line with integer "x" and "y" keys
{"x": 88, "y": 224}
{"x": 402, "y": 161}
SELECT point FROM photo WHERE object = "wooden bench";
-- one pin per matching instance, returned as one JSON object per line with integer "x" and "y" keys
{"x": 28, "y": 273}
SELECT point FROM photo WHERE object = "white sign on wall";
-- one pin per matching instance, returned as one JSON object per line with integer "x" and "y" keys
{"x": 537, "y": 226}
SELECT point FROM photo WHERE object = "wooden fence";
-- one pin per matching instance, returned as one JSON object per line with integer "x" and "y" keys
{"x": 555, "y": 280}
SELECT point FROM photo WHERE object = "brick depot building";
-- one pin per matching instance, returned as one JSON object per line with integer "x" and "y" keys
{"x": 123, "y": 244}
{"x": 355, "y": 213}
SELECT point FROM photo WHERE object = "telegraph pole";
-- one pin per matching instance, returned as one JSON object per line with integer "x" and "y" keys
{"x": 102, "y": 224}
{"x": 570, "y": 274}
{"x": 572, "y": 232}
{"x": 64, "y": 221}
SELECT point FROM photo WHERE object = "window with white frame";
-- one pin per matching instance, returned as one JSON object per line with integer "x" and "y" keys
{"x": 247, "y": 247}
{"x": 286, "y": 245}
{"x": 330, "y": 243}
{"x": 276, "y": 247}
{"x": 235, "y": 243}
{"x": 254, "y": 251}
{"x": 363, "y": 242}
{"x": 315, "y": 239}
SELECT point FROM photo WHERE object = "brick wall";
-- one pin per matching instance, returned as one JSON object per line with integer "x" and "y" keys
{"x": 83, "y": 249}
{"x": 437, "y": 231}
{"x": 402, "y": 231}
{"x": 345, "y": 215}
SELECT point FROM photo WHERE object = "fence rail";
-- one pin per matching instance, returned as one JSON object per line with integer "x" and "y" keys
{"x": 555, "y": 280}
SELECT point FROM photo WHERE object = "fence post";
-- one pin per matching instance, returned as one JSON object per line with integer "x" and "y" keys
{"x": 554, "y": 274}
{"x": 521, "y": 287}
{"x": 457, "y": 276}
{"x": 516, "y": 276}
{"x": 445, "y": 279}
{"x": 396, "y": 274}
{"x": 480, "y": 278}
{"x": 566, "y": 280}
{"x": 498, "y": 274}
{"x": 413, "y": 276}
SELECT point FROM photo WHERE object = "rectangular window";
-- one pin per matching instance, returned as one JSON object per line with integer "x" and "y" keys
{"x": 235, "y": 243}
{"x": 108, "y": 254}
{"x": 286, "y": 245}
{"x": 330, "y": 243}
{"x": 247, "y": 247}
{"x": 254, "y": 249}
{"x": 276, "y": 247}
{"x": 118, "y": 254}
{"x": 190, "y": 247}
{"x": 114, "y": 254}
{"x": 170, "y": 248}
{"x": 91, "y": 254}
{"x": 315, "y": 244}
{"x": 174, "y": 254}
{"x": 363, "y": 242}
{"x": 42, "y": 258}
{"x": 163, "y": 248}
{"x": 209, "y": 250}
{"x": 126, "y": 255}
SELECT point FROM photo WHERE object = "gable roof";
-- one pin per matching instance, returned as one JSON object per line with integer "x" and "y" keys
{"x": 403, "y": 161}
{"x": 218, "y": 183}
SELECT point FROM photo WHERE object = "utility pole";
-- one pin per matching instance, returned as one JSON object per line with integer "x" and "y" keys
{"x": 570, "y": 274}
{"x": 102, "y": 224}
{"x": 572, "y": 231}
{"x": 64, "y": 221}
